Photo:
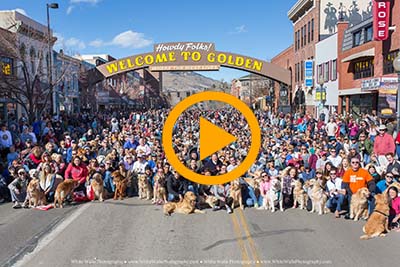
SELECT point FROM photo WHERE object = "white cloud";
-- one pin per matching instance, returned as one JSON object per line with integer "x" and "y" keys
{"x": 96, "y": 43}
{"x": 239, "y": 29}
{"x": 69, "y": 9}
{"x": 84, "y": 1}
{"x": 128, "y": 39}
{"x": 74, "y": 42}
{"x": 60, "y": 41}
{"x": 131, "y": 39}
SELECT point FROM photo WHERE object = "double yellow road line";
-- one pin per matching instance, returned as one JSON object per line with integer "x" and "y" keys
{"x": 242, "y": 233}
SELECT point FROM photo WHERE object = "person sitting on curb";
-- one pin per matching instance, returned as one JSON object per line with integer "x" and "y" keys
{"x": 18, "y": 189}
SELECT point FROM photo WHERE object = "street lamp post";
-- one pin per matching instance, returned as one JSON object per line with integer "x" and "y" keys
{"x": 322, "y": 94}
{"x": 396, "y": 66}
{"x": 53, "y": 94}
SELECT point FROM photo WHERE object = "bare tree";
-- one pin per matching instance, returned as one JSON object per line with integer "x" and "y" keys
{"x": 27, "y": 84}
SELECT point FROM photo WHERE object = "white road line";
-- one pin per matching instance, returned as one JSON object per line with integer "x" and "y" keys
{"x": 51, "y": 236}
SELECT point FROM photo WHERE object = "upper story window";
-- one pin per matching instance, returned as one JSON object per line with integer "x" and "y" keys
{"x": 357, "y": 38}
{"x": 326, "y": 71}
{"x": 388, "y": 62}
{"x": 368, "y": 34}
{"x": 334, "y": 70}
{"x": 364, "y": 69}
{"x": 312, "y": 29}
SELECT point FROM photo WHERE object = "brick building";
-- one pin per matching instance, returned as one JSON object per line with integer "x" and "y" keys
{"x": 367, "y": 80}
{"x": 283, "y": 95}
{"x": 305, "y": 16}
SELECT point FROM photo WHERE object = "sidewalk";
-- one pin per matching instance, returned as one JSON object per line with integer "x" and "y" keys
{"x": 20, "y": 229}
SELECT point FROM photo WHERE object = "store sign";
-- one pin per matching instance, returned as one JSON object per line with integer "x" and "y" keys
{"x": 390, "y": 83}
{"x": 308, "y": 73}
{"x": 193, "y": 56}
{"x": 371, "y": 84}
{"x": 381, "y": 13}
{"x": 387, "y": 103}
{"x": 6, "y": 64}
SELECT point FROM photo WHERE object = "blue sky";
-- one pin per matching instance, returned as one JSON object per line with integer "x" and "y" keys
{"x": 257, "y": 28}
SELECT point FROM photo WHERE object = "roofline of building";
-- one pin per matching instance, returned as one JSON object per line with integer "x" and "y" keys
{"x": 282, "y": 52}
{"x": 293, "y": 12}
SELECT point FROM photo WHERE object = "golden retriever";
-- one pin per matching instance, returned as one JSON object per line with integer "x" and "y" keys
{"x": 359, "y": 204}
{"x": 378, "y": 222}
{"x": 98, "y": 187}
{"x": 159, "y": 191}
{"x": 318, "y": 197}
{"x": 120, "y": 185}
{"x": 35, "y": 194}
{"x": 63, "y": 190}
{"x": 185, "y": 206}
{"x": 299, "y": 195}
{"x": 144, "y": 187}
{"x": 235, "y": 193}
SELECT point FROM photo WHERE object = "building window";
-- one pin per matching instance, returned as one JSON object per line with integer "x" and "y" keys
{"x": 295, "y": 41}
{"x": 319, "y": 71}
{"x": 368, "y": 34}
{"x": 301, "y": 36}
{"x": 6, "y": 66}
{"x": 356, "y": 38}
{"x": 309, "y": 32}
{"x": 363, "y": 69}
{"x": 326, "y": 71}
{"x": 388, "y": 62}
{"x": 178, "y": 94}
{"x": 298, "y": 40}
{"x": 302, "y": 70}
{"x": 187, "y": 94}
{"x": 312, "y": 30}
{"x": 305, "y": 35}
{"x": 334, "y": 70}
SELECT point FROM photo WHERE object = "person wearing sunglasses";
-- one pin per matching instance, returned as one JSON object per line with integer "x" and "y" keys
{"x": 336, "y": 193}
{"x": 356, "y": 178}
{"x": 18, "y": 189}
{"x": 382, "y": 185}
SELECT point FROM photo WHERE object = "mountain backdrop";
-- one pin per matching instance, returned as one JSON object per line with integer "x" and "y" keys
{"x": 191, "y": 81}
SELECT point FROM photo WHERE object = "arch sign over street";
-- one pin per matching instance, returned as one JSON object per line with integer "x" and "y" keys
{"x": 190, "y": 56}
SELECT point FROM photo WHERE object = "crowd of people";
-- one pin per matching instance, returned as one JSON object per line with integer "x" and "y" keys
{"x": 349, "y": 153}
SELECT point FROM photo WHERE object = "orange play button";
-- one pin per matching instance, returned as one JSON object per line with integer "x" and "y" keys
{"x": 209, "y": 144}
{"x": 212, "y": 138}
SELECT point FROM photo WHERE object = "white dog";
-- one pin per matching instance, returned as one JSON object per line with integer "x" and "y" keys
{"x": 273, "y": 194}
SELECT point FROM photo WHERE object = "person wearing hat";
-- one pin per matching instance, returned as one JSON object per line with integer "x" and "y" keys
{"x": 384, "y": 143}
{"x": 25, "y": 134}
{"x": 18, "y": 188}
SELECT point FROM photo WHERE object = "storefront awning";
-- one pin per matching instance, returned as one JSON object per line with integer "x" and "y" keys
{"x": 366, "y": 53}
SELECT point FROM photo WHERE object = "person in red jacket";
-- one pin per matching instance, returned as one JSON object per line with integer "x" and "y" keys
{"x": 383, "y": 144}
{"x": 77, "y": 170}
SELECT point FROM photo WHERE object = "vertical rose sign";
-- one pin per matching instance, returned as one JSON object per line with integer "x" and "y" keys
{"x": 381, "y": 11}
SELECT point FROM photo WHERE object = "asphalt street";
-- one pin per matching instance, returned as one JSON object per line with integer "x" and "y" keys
{"x": 134, "y": 232}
